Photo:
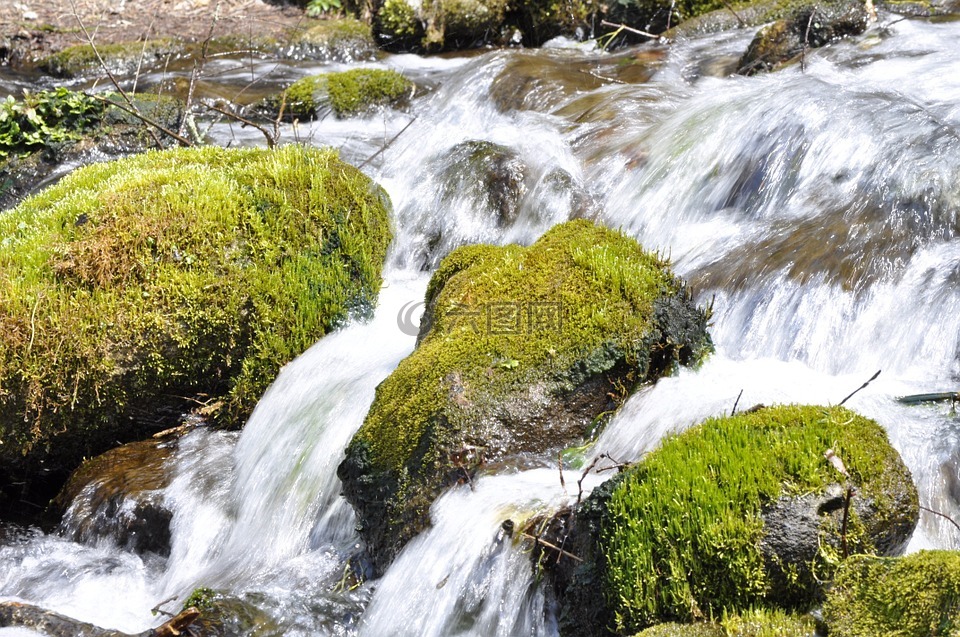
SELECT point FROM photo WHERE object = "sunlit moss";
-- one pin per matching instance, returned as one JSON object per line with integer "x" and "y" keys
{"x": 346, "y": 93}
{"x": 750, "y": 623}
{"x": 682, "y": 535}
{"x": 913, "y": 596}
{"x": 134, "y": 285}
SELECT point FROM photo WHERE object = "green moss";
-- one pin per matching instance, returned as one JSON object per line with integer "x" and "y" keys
{"x": 78, "y": 60}
{"x": 602, "y": 282}
{"x": 45, "y": 117}
{"x": 397, "y": 19}
{"x": 683, "y": 528}
{"x": 913, "y": 596}
{"x": 751, "y": 623}
{"x": 173, "y": 274}
{"x": 347, "y": 93}
{"x": 203, "y": 599}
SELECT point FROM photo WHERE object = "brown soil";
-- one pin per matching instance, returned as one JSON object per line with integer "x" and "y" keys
{"x": 33, "y": 28}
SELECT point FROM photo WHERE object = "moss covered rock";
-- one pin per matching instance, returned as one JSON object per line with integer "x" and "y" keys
{"x": 119, "y": 58}
{"x": 809, "y": 26}
{"x": 437, "y": 25}
{"x": 521, "y": 349}
{"x": 694, "y": 530}
{"x": 345, "y": 93}
{"x": 132, "y": 286}
{"x": 913, "y": 596}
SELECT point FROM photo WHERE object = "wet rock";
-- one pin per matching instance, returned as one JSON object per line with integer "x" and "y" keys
{"x": 118, "y": 496}
{"x": 122, "y": 58}
{"x": 736, "y": 513}
{"x": 808, "y": 27}
{"x": 521, "y": 351}
{"x": 335, "y": 40}
{"x": 488, "y": 172}
{"x": 45, "y": 622}
{"x": 913, "y": 596}
{"x": 167, "y": 278}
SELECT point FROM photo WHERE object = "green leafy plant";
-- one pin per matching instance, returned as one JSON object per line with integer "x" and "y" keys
{"x": 316, "y": 8}
{"x": 45, "y": 117}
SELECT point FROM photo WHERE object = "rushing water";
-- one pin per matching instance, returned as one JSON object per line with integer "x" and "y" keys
{"x": 817, "y": 209}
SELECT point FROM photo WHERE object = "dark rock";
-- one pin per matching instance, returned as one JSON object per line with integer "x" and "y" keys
{"x": 118, "y": 495}
{"x": 15, "y": 614}
{"x": 809, "y": 27}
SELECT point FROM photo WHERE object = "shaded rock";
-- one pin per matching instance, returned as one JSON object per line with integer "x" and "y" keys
{"x": 913, "y": 596}
{"x": 120, "y": 59}
{"x": 809, "y": 27}
{"x": 334, "y": 40}
{"x": 489, "y": 172}
{"x": 733, "y": 514}
{"x": 522, "y": 350}
{"x": 118, "y": 495}
{"x": 132, "y": 286}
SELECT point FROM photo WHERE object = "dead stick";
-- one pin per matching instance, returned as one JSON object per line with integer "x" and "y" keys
{"x": 630, "y": 29}
{"x": 735, "y": 403}
{"x": 143, "y": 118}
{"x": 942, "y": 515}
{"x": 388, "y": 144}
{"x": 551, "y": 546}
{"x": 872, "y": 378}
{"x": 271, "y": 142}
{"x": 563, "y": 483}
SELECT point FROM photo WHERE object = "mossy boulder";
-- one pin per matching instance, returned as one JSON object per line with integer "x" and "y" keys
{"x": 808, "y": 27}
{"x": 120, "y": 58}
{"x": 913, "y": 596}
{"x": 521, "y": 349}
{"x": 752, "y": 623}
{"x": 134, "y": 288}
{"x": 344, "y": 93}
{"x": 334, "y": 40}
{"x": 736, "y": 513}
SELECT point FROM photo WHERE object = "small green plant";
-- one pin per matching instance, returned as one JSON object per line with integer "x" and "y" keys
{"x": 201, "y": 598}
{"x": 45, "y": 117}
{"x": 317, "y": 8}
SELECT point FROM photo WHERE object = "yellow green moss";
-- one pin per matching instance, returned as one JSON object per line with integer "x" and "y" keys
{"x": 683, "y": 528}
{"x": 346, "y": 93}
{"x": 913, "y": 596}
{"x": 751, "y": 623}
{"x": 191, "y": 273}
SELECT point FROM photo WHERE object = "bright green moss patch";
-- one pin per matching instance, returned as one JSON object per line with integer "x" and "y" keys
{"x": 683, "y": 528}
{"x": 525, "y": 350}
{"x": 346, "y": 93}
{"x": 45, "y": 117}
{"x": 75, "y": 61}
{"x": 134, "y": 285}
{"x": 751, "y": 623}
{"x": 913, "y": 596}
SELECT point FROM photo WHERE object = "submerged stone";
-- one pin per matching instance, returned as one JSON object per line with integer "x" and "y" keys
{"x": 736, "y": 513}
{"x": 521, "y": 350}
{"x": 133, "y": 289}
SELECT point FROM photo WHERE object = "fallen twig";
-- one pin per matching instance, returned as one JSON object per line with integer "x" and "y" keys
{"x": 863, "y": 386}
{"x": 630, "y": 29}
{"x": 387, "y": 145}
{"x": 942, "y": 515}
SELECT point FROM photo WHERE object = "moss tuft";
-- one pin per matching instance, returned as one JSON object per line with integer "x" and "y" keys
{"x": 182, "y": 273}
{"x": 913, "y": 596}
{"x": 346, "y": 93}
{"x": 682, "y": 530}
{"x": 751, "y": 623}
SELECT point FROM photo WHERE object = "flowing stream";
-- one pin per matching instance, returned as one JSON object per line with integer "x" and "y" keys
{"x": 817, "y": 208}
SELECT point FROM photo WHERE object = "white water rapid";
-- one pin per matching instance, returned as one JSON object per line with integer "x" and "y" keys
{"x": 819, "y": 210}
